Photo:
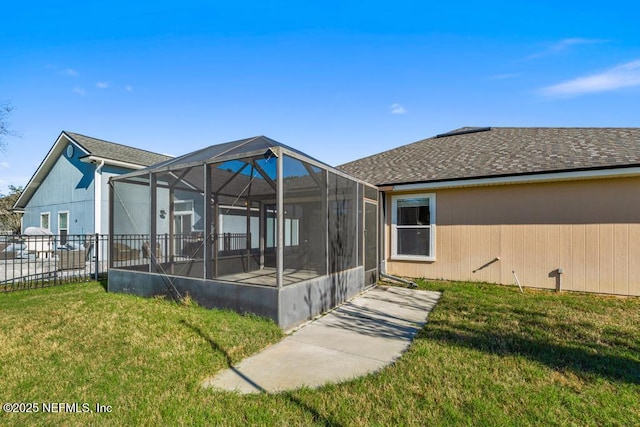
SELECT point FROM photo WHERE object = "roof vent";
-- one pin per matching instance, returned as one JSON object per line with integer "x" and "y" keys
{"x": 463, "y": 131}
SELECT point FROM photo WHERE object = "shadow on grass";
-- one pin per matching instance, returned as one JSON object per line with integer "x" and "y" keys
{"x": 217, "y": 348}
{"x": 580, "y": 358}
{"x": 317, "y": 417}
{"x": 104, "y": 282}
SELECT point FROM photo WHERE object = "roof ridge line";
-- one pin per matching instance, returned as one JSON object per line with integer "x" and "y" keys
{"x": 69, "y": 134}
{"x": 237, "y": 146}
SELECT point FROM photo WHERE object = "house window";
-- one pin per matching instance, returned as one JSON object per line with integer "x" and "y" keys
{"x": 291, "y": 228}
{"x": 44, "y": 220}
{"x": 413, "y": 227}
{"x": 183, "y": 207}
{"x": 183, "y": 217}
{"x": 63, "y": 226}
{"x": 291, "y": 231}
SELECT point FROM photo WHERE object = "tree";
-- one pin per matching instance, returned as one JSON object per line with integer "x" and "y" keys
{"x": 9, "y": 220}
{"x": 5, "y": 111}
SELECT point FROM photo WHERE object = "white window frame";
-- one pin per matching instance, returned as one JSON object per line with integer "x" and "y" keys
{"x": 188, "y": 204}
{"x": 431, "y": 227}
{"x": 188, "y": 212}
{"x": 48, "y": 214}
{"x": 291, "y": 232}
{"x": 60, "y": 213}
{"x": 59, "y": 233}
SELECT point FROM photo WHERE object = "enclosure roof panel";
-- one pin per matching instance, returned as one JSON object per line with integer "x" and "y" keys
{"x": 238, "y": 149}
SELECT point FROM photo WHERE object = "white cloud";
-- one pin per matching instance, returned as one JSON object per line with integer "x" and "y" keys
{"x": 70, "y": 72}
{"x": 565, "y": 44}
{"x": 4, "y": 165}
{"x": 102, "y": 85}
{"x": 128, "y": 88}
{"x": 621, "y": 76}
{"x": 397, "y": 109}
{"x": 80, "y": 91}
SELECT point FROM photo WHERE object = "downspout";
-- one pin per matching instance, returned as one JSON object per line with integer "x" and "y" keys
{"x": 399, "y": 279}
{"x": 97, "y": 203}
{"x": 97, "y": 215}
{"x": 382, "y": 238}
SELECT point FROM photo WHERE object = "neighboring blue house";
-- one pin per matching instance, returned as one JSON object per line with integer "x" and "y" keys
{"x": 68, "y": 194}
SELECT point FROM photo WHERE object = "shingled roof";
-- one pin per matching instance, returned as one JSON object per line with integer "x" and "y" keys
{"x": 469, "y": 153}
{"x": 95, "y": 150}
{"x": 113, "y": 151}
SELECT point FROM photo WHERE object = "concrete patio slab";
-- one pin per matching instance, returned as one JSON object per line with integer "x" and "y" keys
{"x": 359, "y": 337}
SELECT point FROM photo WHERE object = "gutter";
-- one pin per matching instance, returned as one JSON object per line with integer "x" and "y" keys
{"x": 99, "y": 167}
{"x": 520, "y": 179}
{"x": 111, "y": 162}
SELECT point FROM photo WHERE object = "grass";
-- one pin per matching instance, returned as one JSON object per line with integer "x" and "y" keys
{"x": 488, "y": 356}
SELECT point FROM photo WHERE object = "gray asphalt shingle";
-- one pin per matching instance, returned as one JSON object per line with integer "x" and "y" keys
{"x": 119, "y": 152}
{"x": 500, "y": 151}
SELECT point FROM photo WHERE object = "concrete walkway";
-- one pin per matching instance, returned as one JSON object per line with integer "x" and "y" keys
{"x": 361, "y": 336}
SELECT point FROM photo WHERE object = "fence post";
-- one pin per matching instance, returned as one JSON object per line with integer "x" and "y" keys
{"x": 97, "y": 252}
{"x": 166, "y": 247}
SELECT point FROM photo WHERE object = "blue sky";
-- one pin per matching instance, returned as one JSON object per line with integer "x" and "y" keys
{"x": 338, "y": 80}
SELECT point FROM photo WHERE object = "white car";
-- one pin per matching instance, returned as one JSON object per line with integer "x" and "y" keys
{"x": 19, "y": 250}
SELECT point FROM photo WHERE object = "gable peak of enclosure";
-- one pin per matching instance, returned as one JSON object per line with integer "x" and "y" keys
{"x": 257, "y": 145}
{"x": 252, "y": 225}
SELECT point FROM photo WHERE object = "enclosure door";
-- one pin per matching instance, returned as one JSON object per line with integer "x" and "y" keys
{"x": 371, "y": 241}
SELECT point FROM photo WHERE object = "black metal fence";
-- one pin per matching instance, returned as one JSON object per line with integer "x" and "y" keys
{"x": 130, "y": 250}
{"x": 45, "y": 260}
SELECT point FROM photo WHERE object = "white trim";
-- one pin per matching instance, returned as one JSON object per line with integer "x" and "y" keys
{"x": 431, "y": 227}
{"x": 521, "y": 179}
{"x": 48, "y": 214}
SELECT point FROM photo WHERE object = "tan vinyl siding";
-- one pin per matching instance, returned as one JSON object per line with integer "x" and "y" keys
{"x": 589, "y": 228}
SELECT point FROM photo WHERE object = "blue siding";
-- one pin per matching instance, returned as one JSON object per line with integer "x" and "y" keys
{"x": 69, "y": 186}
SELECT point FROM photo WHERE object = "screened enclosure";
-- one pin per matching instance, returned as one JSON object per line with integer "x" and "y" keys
{"x": 251, "y": 225}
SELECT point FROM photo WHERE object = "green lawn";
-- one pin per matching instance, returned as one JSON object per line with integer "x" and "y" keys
{"x": 488, "y": 356}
